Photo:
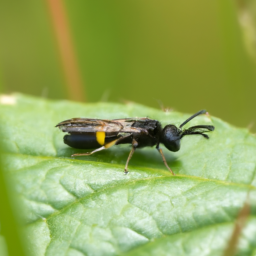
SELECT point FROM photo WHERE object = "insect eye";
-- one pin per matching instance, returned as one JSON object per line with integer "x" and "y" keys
{"x": 171, "y": 138}
{"x": 173, "y": 129}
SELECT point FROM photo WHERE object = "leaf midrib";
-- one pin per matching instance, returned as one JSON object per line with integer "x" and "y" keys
{"x": 115, "y": 187}
{"x": 121, "y": 184}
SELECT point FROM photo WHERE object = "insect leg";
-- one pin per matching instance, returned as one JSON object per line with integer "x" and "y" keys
{"x": 134, "y": 146}
{"x": 164, "y": 160}
{"x": 88, "y": 153}
{"x": 106, "y": 146}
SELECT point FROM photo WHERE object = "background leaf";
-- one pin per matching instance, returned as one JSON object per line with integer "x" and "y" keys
{"x": 87, "y": 206}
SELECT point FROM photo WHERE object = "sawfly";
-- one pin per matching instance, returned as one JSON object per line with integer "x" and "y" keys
{"x": 87, "y": 133}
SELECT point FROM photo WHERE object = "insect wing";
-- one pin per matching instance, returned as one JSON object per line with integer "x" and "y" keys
{"x": 83, "y": 125}
{"x": 136, "y": 125}
{"x": 124, "y": 125}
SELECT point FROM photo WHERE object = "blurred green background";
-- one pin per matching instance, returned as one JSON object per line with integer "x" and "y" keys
{"x": 186, "y": 55}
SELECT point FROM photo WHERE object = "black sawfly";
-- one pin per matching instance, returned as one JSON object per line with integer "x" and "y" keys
{"x": 87, "y": 133}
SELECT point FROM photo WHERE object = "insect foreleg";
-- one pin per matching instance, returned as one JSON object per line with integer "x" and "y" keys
{"x": 134, "y": 146}
{"x": 164, "y": 160}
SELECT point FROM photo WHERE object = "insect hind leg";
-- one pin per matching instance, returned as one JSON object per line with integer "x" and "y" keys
{"x": 89, "y": 153}
{"x": 106, "y": 146}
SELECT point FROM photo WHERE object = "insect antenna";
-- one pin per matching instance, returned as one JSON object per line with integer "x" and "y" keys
{"x": 198, "y": 129}
{"x": 196, "y": 114}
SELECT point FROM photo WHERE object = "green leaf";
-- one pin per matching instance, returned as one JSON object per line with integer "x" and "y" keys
{"x": 3, "y": 247}
{"x": 88, "y": 206}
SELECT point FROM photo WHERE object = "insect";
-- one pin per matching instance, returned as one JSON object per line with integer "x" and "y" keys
{"x": 86, "y": 133}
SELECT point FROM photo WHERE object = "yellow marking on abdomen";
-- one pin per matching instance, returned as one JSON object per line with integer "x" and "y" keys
{"x": 100, "y": 137}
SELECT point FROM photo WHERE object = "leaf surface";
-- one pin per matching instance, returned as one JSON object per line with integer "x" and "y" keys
{"x": 88, "y": 206}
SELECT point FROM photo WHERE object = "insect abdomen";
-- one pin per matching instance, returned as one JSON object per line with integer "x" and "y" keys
{"x": 88, "y": 140}
{"x": 83, "y": 141}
